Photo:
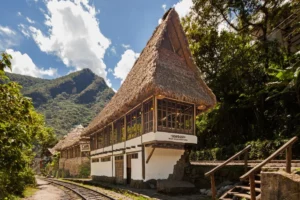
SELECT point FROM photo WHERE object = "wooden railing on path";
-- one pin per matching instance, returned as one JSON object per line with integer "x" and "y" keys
{"x": 250, "y": 174}
{"x": 211, "y": 173}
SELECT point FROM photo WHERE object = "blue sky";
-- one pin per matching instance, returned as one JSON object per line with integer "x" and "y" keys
{"x": 51, "y": 38}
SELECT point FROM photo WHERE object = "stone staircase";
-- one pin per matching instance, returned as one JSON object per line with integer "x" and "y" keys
{"x": 242, "y": 191}
{"x": 175, "y": 184}
{"x": 178, "y": 172}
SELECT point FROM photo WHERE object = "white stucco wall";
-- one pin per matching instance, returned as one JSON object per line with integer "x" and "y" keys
{"x": 136, "y": 168}
{"x": 169, "y": 137}
{"x": 162, "y": 162}
{"x": 102, "y": 168}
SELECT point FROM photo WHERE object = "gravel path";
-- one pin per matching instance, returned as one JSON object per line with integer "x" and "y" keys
{"x": 49, "y": 192}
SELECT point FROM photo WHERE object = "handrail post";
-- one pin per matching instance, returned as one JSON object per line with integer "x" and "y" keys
{"x": 252, "y": 186}
{"x": 288, "y": 159}
{"x": 213, "y": 186}
{"x": 246, "y": 161}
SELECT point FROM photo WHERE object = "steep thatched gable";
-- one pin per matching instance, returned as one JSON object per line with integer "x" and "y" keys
{"x": 165, "y": 67}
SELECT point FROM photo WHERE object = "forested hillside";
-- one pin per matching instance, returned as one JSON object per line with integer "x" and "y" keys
{"x": 248, "y": 53}
{"x": 66, "y": 101}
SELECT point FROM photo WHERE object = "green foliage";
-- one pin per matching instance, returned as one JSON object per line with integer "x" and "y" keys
{"x": 21, "y": 131}
{"x": 84, "y": 170}
{"x": 66, "y": 101}
{"x": 256, "y": 80}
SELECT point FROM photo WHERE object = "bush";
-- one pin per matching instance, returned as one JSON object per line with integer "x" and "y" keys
{"x": 85, "y": 170}
{"x": 15, "y": 183}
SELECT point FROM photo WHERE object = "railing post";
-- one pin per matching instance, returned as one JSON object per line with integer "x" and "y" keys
{"x": 213, "y": 186}
{"x": 246, "y": 161}
{"x": 288, "y": 159}
{"x": 252, "y": 186}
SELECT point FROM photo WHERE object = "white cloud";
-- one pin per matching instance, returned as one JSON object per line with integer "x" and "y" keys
{"x": 126, "y": 46}
{"x": 19, "y": 14}
{"x": 164, "y": 7}
{"x": 183, "y": 7}
{"x": 4, "y": 30}
{"x": 24, "y": 29}
{"x": 23, "y": 64}
{"x": 30, "y": 20}
{"x": 125, "y": 64}
{"x": 113, "y": 50}
{"x": 8, "y": 38}
{"x": 159, "y": 21}
{"x": 73, "y": 35}
{"x": 110, "y": 70}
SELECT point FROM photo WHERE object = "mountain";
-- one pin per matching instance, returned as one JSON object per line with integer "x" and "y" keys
{"x": 66, "y": 101}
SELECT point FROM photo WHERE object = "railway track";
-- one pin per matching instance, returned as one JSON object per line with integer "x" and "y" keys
{"x": 83, "y": 192}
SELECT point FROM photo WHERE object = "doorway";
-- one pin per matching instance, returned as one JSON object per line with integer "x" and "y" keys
{"x": 119, "y": 169}
{"x": 129, "y": 168}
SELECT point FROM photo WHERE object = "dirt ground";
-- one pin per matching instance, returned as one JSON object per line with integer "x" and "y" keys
{"x": 48, "y": 192}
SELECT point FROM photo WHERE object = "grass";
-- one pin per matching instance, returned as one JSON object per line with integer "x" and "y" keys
{"x": 29, "y": 191}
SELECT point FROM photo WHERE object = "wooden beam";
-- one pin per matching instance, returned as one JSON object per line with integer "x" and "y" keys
{"x": 150, "y": 155}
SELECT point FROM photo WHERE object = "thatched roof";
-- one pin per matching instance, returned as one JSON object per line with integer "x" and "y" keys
{"x": 72, "y": 138}
{"x": 165, "y": 67}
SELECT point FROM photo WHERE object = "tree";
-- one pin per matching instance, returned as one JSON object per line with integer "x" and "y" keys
{"x": 20, "y": 128}
{"x": 254, "y": 79}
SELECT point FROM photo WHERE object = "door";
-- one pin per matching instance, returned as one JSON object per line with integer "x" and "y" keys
{"x": 128, "y": 168}
{"x": 119, "y": 167}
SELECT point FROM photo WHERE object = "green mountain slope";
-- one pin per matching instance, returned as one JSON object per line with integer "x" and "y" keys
{"x": 66, "y": 101}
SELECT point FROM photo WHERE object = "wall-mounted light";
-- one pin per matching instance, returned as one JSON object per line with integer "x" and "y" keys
{"x": 160, "y": 96}
{"x": 202, "y": 107}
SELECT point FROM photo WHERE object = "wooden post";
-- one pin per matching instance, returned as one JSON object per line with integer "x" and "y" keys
{"x": 288, "y": 159}
{"x": 143, "y": 161}
{"x": 213, "y": 186}
{"x": 154, "y": 114}
{"x": 246, "y": 161}
{"x": 252, "y": 186}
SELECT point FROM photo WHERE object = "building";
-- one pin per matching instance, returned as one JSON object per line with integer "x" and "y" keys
{"x": 143, "y": 131}
{"x": 74, "y": 151}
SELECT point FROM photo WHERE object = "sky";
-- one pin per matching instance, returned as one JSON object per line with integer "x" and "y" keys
{"x": 52, "y": 38}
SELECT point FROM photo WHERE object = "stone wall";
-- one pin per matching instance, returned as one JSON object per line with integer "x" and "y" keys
{"x": 73, "y": 164}
{"x": 195, "y": 174}
{"x": 280, "y": 186}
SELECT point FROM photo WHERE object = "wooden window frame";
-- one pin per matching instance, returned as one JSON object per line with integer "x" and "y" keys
{"x": 178, "y": 116}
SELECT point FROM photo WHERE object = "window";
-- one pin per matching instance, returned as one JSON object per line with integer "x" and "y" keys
{"x": 85, "y": 153}
{"x": 134, "y": 156}
{"x": 105, "y": 159}
{"x": 119, "y": 131}
{"x": 175, "y": 116}
{"x": 148, "y": 116}
{"x": 107, "y": 136}
{"x": 134, "y": 121}
{"x": 100, "y": 141}
{"x": 119, "y": 158}
{"x": 93, "y": 142}
{"x": 95, "y": 160}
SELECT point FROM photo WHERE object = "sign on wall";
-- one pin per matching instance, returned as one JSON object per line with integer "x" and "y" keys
{"x": 85, "y": 147}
